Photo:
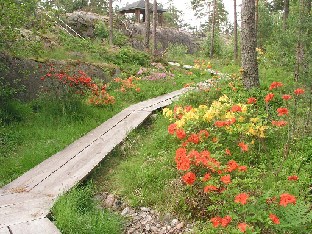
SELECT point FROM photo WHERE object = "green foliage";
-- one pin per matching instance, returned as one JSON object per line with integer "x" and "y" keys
{"x": 127, "y": 54}
{"x": 120, "y": 39}
{"x": 101, "y": 30}
{"x": 77, "y": 212}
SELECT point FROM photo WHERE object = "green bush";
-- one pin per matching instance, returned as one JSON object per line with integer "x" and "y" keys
{"x": 101, "y": 30}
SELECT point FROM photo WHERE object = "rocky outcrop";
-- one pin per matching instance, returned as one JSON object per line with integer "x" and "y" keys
{"x": 164, "y": 36}
{"x": 84, "y": 23}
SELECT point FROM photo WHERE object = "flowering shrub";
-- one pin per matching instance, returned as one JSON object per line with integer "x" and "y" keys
{"x": 219, "y": 147}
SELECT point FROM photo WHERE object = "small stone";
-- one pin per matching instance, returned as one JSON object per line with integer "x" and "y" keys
{"x": 109, "y": 201}
{"x": 147, "y": 227}
{"x": 125, "y": 211}
{"x": 174, "y": 222}
{"x": 180, "y": 226}
{"x": 145, "y": 209}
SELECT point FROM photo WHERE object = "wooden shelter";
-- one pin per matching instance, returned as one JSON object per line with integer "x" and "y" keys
{"x": 138, "y": 8}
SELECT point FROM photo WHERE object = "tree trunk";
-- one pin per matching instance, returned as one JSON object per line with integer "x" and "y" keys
{"x": 154, "y": 27}
{"x": 147, "y": 24}
{"x": 235, "y": 34}
{"x": 110, "y": 6}
{"x": 286, "y": 13}
{"x": 213, "y": 27}
{"x": 249, "y": 43}
{"x": 302, "y": 66}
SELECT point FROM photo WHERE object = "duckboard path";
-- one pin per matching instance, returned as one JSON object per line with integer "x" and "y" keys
{"x": 26, "y": 202}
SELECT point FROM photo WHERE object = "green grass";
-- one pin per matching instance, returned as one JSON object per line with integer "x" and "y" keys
{"x": 78, "y": 212}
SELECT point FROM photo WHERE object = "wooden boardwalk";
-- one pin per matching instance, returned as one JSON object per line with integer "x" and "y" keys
{"x": 26, "y": 201}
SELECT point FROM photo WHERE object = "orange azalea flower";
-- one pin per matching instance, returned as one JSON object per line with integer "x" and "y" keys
{"x": 274, "y": 218}
{"x": 293, "y": 177}
{"x": 204, "y": 133}
{"x": 172, "y": 128}
{"x": 180, "y": 134}
{"x": 215, "y": 139}
{"x": 206, "y": 177}
{"x": 210, "y": 188}
{"x": 242, "y": 168}
{"x": 228, "y": 152}
{"x": 299, "y": 91}
{"x": 226, "y": 220}
{"x": 226, "y": 179}
{"x": 189, "y": 178}
{"x": 182, "y": 161}
{"x": 243, "y": 146}
{"x": 281, "y": 123}
{"x": 269, "y": 97}
{"x": 286, "y": 97}
{"x": 282, "y": 111}
{"x": 251, "y": 100}
{"x": 232, "y": 165}
{"x": 216, "y": 221}
{"x": 275, "y": 85}
{"x": 188, "y": 108}
{"x": 236, "y": 108}
{"x": 287, "y": 198}
{"x": 193, "y": 138}
{"x": 242, "y": 227}
{"x": 241, "y": 198}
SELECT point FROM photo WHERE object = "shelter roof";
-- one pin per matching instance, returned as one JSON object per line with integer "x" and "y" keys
{"x": 130, "y": 8}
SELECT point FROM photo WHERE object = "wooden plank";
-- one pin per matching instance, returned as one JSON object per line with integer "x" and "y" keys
{"x": 38, "y": 226}
{"x": 80, "y": 166}
{"x": 4, "y": 230}
{"x": 16, "y": 198}
{"x": 23, "y": 212}
{"x": 34, "y": 176}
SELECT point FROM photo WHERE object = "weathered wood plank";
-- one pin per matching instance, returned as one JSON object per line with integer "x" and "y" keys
{"x": 22, "y": 212}
{"x": 38, "y": 226}
{"x": 34, "y": 176}
{"x": 4, "y": 230}
{"x": 80, "y": 166}
{"x": 11, "y": 199}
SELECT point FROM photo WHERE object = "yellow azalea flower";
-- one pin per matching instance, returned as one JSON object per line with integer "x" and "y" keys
{"x": 180, "y": 123}
{"x": 203, "y": 107}
{"x": 223, "y": 98}
{"x": 208, "y": 116}
{"x": 241, "y": 119}
{"x": 216, "y": 104}
{"x": 254, "y": 120}
{"x": 244, "y": 108}
{"x": 169, "y": 113}
{"x": 252, "y": 142}
{"x": 179, "y": 110}
{"x": 229, "y": 115}
{"x": 190, "y": 115}
{"x": 165, "y": 110}
{"x": 252, "y": 131}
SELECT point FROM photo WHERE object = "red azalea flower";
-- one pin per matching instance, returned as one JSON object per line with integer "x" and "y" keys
{"x": 280, "y": 123}
{"x": 269, "y": 97}
{"x": 226, "y": 179}
{"x": 251, "y": 100}
{"x": 286, "y": 97}
{"x": 242, "y": 168}
{"x": 242, "y": 227}
{"x": 210, "y": 188}
{"x": 236, "y": 108}
{"x": 293, "y": 177}
{"x": 188, "y": 108}
{"x": 203, "y": 133}
{"x": 172, "y": 128}
{"x": 180, "y": 133}
{"x": 232, "y": 165}
{"x": 216, "y": 221}
{"x": 243, "y": 146}
{"x": 282, "y": 111}
{"x": 189, "y": 178}
{"x": 286, "y": 199}
{"x": 274, "y": 218}
{"x": 228, "y": 152}
{"x": 241, "y": 198}
{"x": 226, "y": 220}
{"x": 299, "y": 91}
{"x": 275, "y": 85}
{"x": 193, "y": 138}
{"x": 206, "y": 177}
{"x": 182, "y": 161}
